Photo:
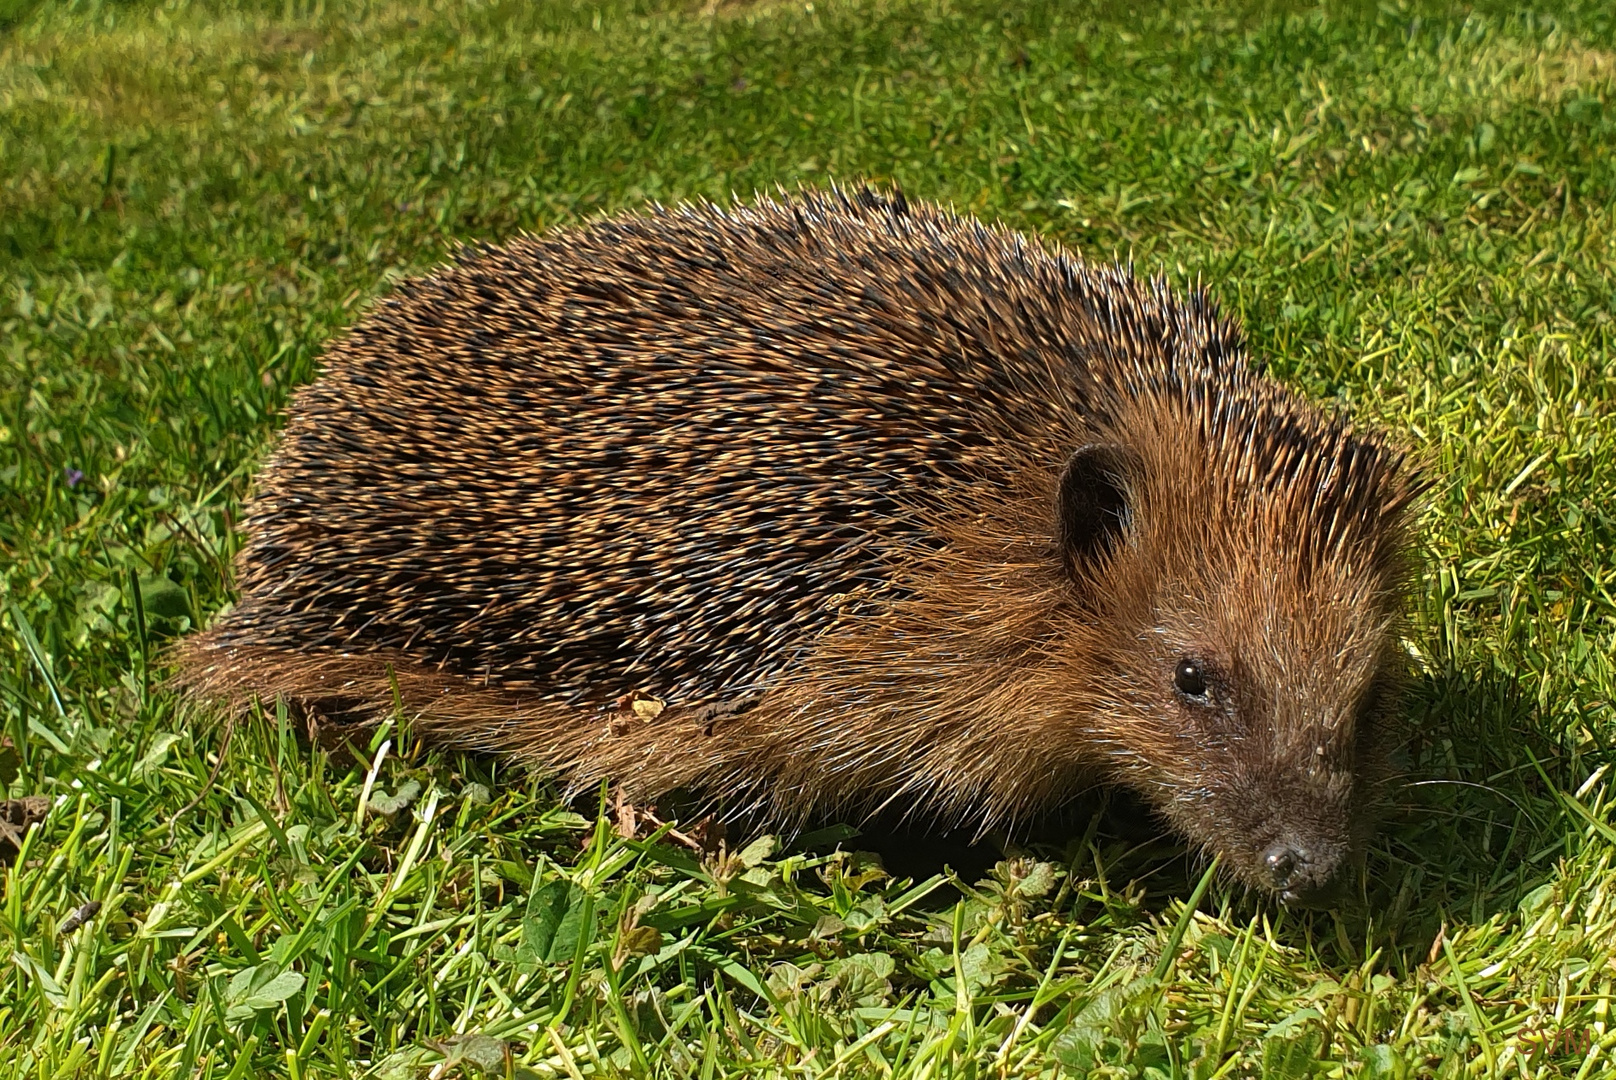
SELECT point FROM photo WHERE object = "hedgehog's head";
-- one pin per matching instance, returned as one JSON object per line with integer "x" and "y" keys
{"x": 1247, "y": 586}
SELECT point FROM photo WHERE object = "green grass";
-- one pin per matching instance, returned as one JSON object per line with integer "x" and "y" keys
{"x": 1412, "y": 206}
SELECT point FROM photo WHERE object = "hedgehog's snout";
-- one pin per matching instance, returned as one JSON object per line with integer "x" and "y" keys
{"x": 1288, "y": 833}
{"x": 1303, "y": 874}
{"x": 1304, "y": 847}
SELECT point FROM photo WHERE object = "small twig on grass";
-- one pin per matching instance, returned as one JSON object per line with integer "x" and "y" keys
{"x": 224, "y": 748}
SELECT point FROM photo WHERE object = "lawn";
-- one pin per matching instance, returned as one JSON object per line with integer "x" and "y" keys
{"x": 1413, "y": 207}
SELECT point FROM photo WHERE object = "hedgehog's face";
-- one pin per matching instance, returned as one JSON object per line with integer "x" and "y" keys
{"x": 1252, "y": 693}
{"x": 1274, "y": 693}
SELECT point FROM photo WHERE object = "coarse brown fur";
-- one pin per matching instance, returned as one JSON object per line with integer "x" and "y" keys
{"x": 887, "y": 507}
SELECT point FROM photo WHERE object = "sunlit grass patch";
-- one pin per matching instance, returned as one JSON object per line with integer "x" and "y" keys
{"x": 1411, "y": 207}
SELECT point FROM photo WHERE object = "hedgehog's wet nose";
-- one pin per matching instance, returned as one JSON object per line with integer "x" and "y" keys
{"x": 1284, "y": 863}
{"x": 1295, "y": 875}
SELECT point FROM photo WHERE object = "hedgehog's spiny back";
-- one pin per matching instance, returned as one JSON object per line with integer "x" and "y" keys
{"x": 653, "y": 452}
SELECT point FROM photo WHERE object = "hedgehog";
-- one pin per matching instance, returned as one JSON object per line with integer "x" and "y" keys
{"x": 836, "y": 503}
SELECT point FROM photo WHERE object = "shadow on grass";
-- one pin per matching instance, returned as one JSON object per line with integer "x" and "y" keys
{"x": 1474, "y": 821}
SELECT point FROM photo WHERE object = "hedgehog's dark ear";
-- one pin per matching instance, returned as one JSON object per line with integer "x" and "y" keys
{"x": 1093, "y": 502}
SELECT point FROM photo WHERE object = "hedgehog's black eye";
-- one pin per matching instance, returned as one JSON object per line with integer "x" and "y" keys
{"x": 1190, "y": 678}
